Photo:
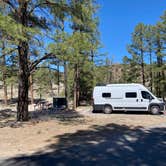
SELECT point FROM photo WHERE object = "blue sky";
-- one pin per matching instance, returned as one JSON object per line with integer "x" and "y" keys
{"x": 118, "y": 19}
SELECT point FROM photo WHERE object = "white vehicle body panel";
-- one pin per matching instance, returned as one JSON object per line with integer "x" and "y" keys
{"x": 124, "y": 97}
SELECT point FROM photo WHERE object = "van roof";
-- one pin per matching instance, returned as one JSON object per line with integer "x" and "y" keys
{"x": 132, "y": 84}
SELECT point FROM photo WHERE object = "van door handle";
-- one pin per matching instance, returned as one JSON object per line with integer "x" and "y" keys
{"x": 136, "y": 100}
{"x": 141, "y": 100}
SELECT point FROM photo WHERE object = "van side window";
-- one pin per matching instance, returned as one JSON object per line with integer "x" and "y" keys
{"x": 106, "y": 95}
{"x": 131, "y": 94}
{"x": 146, "y": 95}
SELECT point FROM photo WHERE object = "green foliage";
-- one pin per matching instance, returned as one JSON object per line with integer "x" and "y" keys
{"x": 13, "y": 30}
{"x": 76, "y": 47}
{"x": 149, "y": 41}
{"x": 103, "y": 73}
{"x": 44, "y": 79}
{"x": 131, "y": 69}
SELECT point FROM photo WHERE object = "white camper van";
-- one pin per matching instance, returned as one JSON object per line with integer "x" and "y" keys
{"x": 126, "y": 97}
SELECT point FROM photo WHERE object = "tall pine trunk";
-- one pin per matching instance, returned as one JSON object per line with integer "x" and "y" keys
{"x": 142, "y": 67}
{"x": 159, "y": 63}
{"x": 66, "y": 82}
{"x": 4, "y": 75}
{"x": 75, "y": 94}
{"x": 164, "y": 84}
{"x": 31, "y": 88}
{"x": 4, "y": 83}
{"x": 159, "y": 77}
{"x": 5, "y": 89}
{"x": 11, "y": 91}
{"x": 151, "y": 72}
{"x": 58, "y": 78}
{"x": 23, "y": 75}
{"x": 77, "y": 87}
{"x": 22, "y": 108}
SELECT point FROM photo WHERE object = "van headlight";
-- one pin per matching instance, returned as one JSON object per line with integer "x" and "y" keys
{"x": 161, "y": 99}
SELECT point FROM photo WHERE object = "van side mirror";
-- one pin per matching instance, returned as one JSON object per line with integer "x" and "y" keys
{"x": 150, "y": 98}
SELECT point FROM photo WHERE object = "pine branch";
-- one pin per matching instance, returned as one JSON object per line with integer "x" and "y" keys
{"x": 8, "y": 2}
{"x": 35, "y": 63}
{"x": 9, "y": 52}
{"x": 54, "y": 4}
{"x": 47, "y": 67}
{"x": 37, "y": 6}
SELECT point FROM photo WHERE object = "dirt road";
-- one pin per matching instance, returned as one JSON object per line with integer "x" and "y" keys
{"x": 83, "y": 138}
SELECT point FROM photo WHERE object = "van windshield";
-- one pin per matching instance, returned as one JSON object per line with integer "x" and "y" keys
{"x": 146, "y": 95}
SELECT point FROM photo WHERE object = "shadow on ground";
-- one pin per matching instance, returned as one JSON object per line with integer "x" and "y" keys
{"x": 102, "y": 145}
{"x": 14, "y": 101}
{"x": 6, "y": 113}
{"x": 9, "y": 101}
{"x": 8, "y": 117}
{"x": 63, "y": 116}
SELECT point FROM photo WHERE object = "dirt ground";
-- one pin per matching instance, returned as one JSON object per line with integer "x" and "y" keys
{"x": 45, "y": 127}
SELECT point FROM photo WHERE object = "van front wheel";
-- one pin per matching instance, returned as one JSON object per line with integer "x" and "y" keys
{"x": 107, "y": 109}
{"x": 155, "y": 110}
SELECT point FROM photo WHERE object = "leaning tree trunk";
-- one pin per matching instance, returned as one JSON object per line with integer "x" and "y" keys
{"x": 22, "y": 107}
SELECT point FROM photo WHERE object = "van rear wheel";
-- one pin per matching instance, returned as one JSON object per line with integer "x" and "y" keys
{"x": 107, "y": 109}
{"x": 155, "y": 110}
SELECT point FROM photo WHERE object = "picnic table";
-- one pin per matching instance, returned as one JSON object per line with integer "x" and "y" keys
{"x": 41, "y": 105}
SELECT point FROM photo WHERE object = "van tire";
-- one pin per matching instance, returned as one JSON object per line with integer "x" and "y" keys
{"x": 107, "y": 109}
{"x": 154, "y": 110}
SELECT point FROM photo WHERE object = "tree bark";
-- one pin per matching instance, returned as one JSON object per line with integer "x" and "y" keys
{"x": 142, "y": 67}
{"x": 159, "y": 63}
{"x": 58, "y": 79}
{"x": 22, "y": 108}
{"x": 5, "y": 90}
{"x": 31, "y": 88}
{"x": 151, "y": 73}
{"x": 11, "y": 91}
{"x": 78, "y": 92}
{"x": 4, "y": 82}
{"x": 164, "y": 85}
{"x": 51, "y": 84}
{"x": 23, "y": 75}
{"x": 75, "y": 95}
{"x": 4, "y": 75}
{"x": 66, "y": 82}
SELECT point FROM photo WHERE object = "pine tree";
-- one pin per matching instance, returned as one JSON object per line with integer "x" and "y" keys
{"x": 149, "y": 39}
{"x": 159, "y": 51}
{"x": 21, "y": 25}
{"x": 84, "y": 31}
{"x": 131, "y": 69}
{"x": 137, "y": 47}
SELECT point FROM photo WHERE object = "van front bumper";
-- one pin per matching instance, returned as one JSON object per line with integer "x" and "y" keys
{"x": 162, "y": 106}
